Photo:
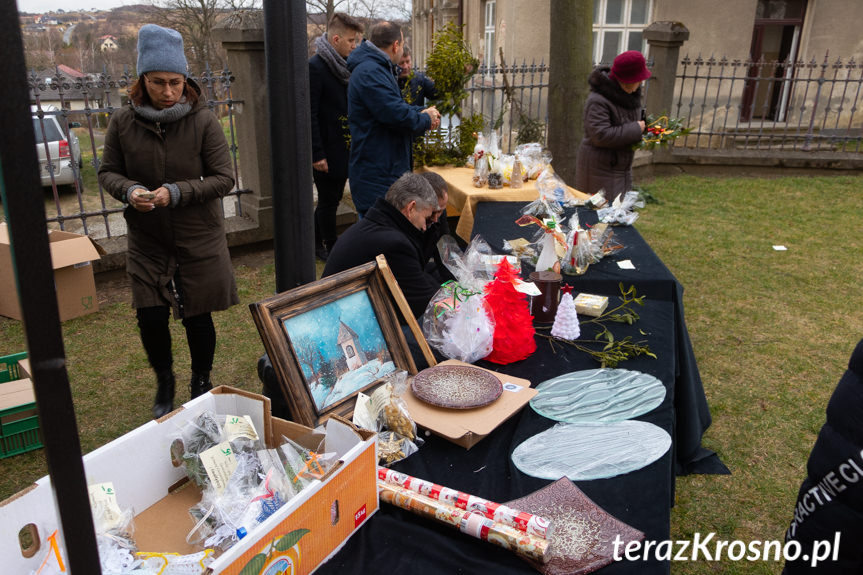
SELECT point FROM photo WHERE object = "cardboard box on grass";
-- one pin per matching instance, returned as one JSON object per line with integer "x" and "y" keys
{"x": 467, "y": 427}
{"x": 138, "y": 464}
{"x": 71, "y": 255}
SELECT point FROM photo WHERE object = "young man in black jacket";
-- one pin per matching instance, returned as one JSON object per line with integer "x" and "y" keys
{"x": 328, "y": 88}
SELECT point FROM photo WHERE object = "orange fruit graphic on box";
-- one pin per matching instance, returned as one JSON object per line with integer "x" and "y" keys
{"x": 282, "y": 557}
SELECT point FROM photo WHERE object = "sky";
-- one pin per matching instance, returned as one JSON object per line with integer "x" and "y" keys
{"x": 39, "y": 6}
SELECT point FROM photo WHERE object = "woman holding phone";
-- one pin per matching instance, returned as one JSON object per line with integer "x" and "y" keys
{"x": 166, "y": 157}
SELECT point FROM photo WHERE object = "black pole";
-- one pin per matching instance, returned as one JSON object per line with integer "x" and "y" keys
{"x": 286, "y": 49}
{"x": 21, "y": 192}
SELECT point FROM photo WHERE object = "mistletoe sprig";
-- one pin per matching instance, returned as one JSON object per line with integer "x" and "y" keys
{"x": 613, "y": 351}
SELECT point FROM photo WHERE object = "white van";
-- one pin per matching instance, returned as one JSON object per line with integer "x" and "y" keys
{"x": 58, "y": 144}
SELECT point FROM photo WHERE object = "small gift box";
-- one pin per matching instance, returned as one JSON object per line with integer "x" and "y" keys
{"x": 590, "y": 304}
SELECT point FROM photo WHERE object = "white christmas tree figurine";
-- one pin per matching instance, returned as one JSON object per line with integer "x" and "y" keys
{"x": 566, "y": 320}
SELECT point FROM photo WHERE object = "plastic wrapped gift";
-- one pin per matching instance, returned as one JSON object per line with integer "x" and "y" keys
{"x": 622, "y": 209}
{"x": 550, "y": 242}
{"x": 456, "y": 321}
{"x": 534, "y": 158}
{"x": 554, "y": 189}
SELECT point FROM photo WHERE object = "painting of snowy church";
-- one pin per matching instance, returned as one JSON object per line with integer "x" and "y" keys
{"x": 340, "y": 348}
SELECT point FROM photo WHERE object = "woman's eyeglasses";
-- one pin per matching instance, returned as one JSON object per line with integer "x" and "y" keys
{"x": 174, "y": 84}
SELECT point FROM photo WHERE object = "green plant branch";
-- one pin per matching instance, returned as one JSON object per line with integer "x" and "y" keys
{"x": 613, "y": 351}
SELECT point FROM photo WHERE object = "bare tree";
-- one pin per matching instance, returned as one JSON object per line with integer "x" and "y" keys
{"x": 195, "y": 20}
{"x": 327, "y": 7}
{"x": 570, "y": 64}
{"x": 308, "y": 354}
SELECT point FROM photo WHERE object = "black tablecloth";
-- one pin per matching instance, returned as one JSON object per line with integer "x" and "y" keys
{"x": 395, "y": 541}
{"x": 495, "y": 223}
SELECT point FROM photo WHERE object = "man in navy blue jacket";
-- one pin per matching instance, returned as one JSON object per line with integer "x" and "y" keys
{"x": 382, "y": 124}
{"x": 328, "y": 91}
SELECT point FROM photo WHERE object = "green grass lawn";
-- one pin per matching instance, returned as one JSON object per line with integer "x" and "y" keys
{"x": 772, "y": 332}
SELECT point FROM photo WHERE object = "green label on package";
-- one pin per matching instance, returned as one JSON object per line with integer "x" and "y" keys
{"x": 103, "y": 502}
{"x": 220, "y": 463}
{"x": 236, "y": 426}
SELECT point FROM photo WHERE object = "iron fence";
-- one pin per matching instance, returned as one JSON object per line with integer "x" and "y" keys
{"x": 512, "y": 99}
{"x": 776, "y": 105}
{"x": 84, "y": 105}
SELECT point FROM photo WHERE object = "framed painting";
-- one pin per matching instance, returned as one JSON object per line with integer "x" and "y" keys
{"x": 331, "y": 339}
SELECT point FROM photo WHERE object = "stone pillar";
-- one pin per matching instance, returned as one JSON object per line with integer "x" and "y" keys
{"x": 665, "y": 40}
{"x": 242, "y": 35}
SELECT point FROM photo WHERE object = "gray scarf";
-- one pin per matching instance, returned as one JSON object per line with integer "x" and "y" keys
{"x": 166, "y": 115}
{"x": 333, "y": 59}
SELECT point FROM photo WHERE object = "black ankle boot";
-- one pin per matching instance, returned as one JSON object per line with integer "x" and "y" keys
{"x": 200, "y": 384}
{"x": 164, "y": 403}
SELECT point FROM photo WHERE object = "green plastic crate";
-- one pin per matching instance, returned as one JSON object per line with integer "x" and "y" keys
{"x": 19, "y": 424}
{"x": 9, "y": 366}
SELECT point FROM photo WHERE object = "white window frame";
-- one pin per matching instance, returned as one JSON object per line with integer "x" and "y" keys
{"x": 489, "y": 33}
{"x": 601, "y": 28}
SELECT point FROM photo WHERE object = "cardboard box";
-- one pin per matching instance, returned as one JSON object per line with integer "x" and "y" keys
{"x": 139, "y": 466}
{"x": 467, "y": 427}
{"x": 71, "y": 255}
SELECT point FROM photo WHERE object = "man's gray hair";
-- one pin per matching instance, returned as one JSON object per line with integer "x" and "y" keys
{"x": 411, "y": 187}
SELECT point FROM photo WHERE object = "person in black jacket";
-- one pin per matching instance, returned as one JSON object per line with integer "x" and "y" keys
{"x": 419, "y": 86}
{"x": 829, "y": 509}
{"x": 328, "y": 91}
{"x": 394, "y": 227}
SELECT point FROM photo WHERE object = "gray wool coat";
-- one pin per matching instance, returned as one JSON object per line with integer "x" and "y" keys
{"x": 610, "y": 129}
{"x": 186, "y": 242}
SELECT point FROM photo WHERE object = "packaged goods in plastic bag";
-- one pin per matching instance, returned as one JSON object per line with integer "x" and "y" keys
{"x": 551, "y": 187}
{"x": 397, "y": 435}
{"x": 456, "y": 321}
{"x": 534, "y": 158}
{"x": 622, "y": 209}
{"x": 549, "y": 242}
{"x": 480, "y": 164}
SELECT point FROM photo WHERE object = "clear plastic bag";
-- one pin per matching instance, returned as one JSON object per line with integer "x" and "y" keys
{"x": 554, "y": 190}
{"x": 456, "y": 321}
{"x": 194, "y": 438}
{"x": 622, "y": 209}
{"x": 397, "y": 437}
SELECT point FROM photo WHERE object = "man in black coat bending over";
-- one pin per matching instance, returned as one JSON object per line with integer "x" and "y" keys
{"x": 394, "y": 227}
{"x": 328, "y": 91}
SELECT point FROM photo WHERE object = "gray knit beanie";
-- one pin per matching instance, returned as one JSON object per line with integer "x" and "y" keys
{"x": 160, "y": 50}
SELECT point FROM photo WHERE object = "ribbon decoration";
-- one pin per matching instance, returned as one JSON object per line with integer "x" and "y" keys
{"x": 458, "y": 294}
{"x": 548, "y": 228}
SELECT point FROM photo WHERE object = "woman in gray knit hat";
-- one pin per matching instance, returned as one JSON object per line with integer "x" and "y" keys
{"x": 166, "y": 158}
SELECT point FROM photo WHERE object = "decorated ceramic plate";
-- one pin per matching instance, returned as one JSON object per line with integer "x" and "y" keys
{"x": 456, "y": 386}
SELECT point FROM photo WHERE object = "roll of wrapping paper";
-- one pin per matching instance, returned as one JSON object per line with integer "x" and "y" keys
{"x": 469, "y": 522}
{"x": 530, "y": 524}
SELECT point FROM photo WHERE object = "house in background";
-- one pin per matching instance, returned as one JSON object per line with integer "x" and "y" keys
{"x": 801, "y": 31}
{"x": 108, "y": 43}
{"x": 736, "y": 29}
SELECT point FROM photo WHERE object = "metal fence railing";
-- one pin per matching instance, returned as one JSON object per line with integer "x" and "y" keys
{"x": 779, "y": 105}
{"x": 84, "y": 105}
{"x": 511, "y": 99}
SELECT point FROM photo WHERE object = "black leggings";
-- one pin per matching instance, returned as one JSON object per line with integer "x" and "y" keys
{"x": 156, "y": 337}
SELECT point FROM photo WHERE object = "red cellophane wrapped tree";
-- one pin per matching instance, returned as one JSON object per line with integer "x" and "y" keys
{"x": 513, "y": 324}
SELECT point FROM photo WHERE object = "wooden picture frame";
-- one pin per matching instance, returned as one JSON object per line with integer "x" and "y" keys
{"x": 331, "y": 339}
